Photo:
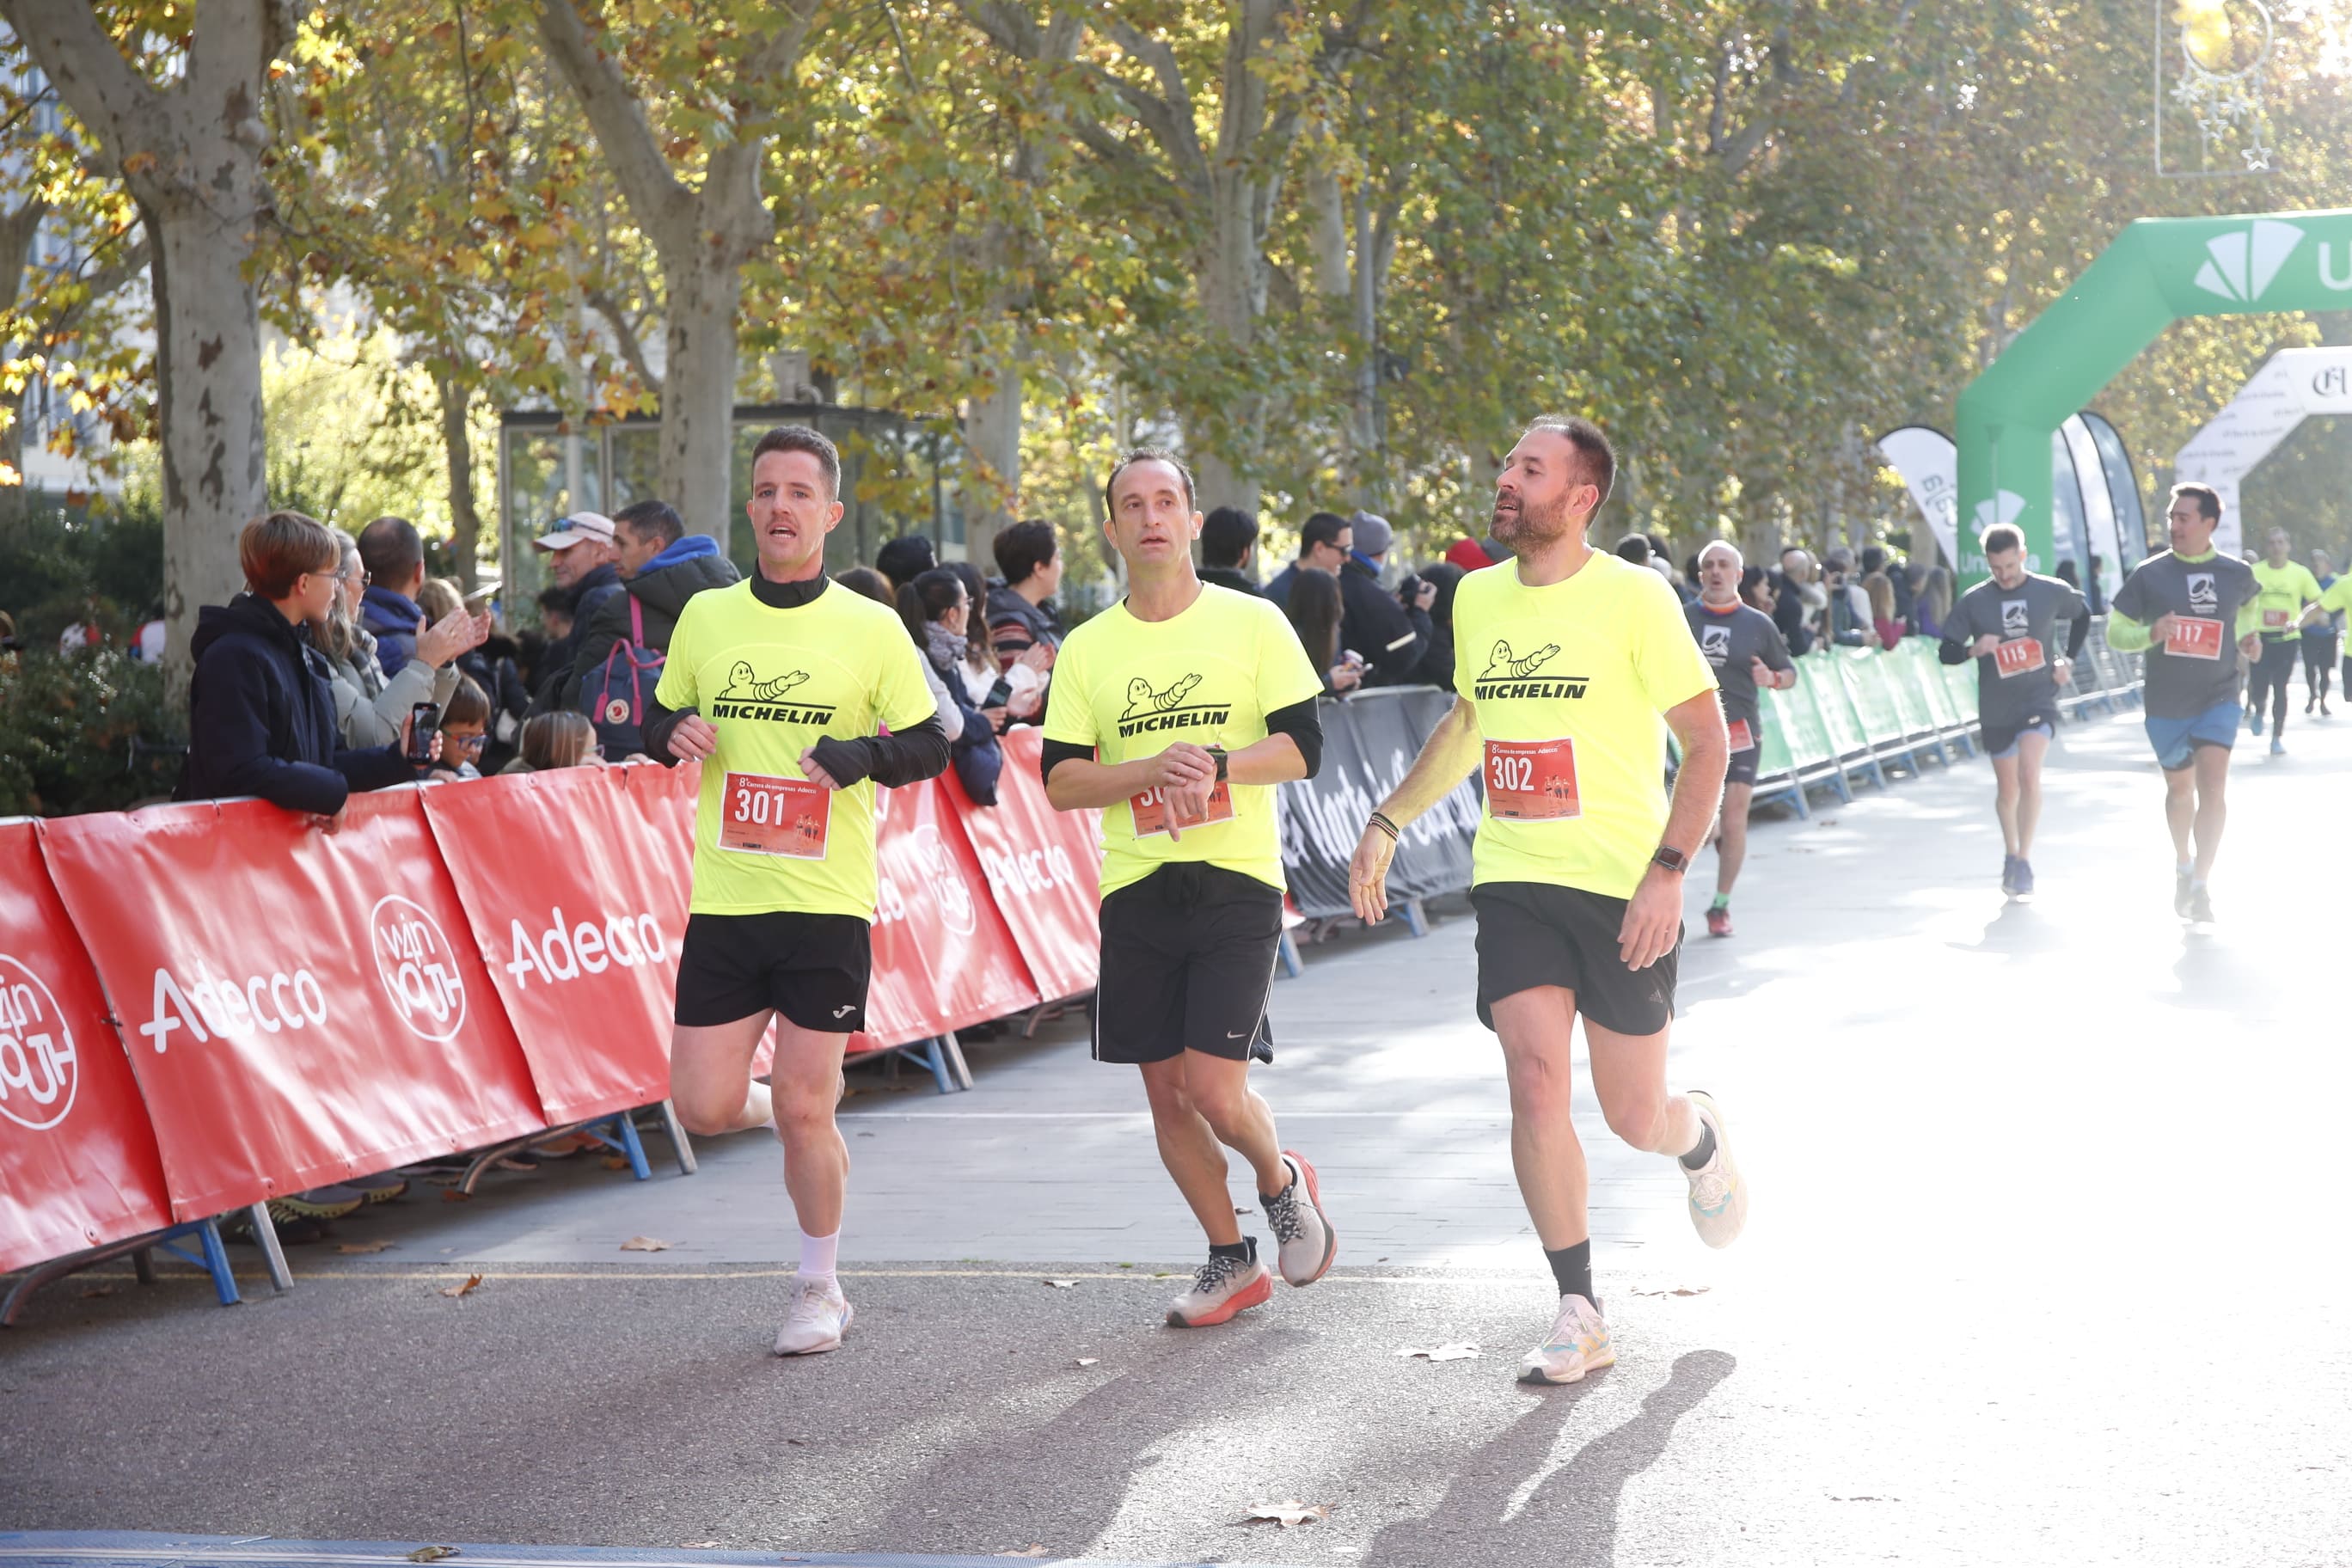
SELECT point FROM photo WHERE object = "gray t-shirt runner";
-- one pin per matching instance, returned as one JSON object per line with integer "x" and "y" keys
{"x": 2016, "y": 682}
{"x": 1731, "y": 643}
{"x": 2198, "y": 674}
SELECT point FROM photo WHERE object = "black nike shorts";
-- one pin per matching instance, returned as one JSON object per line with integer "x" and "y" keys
{"x": 1188, "y": 958}
{"x": 1741, "y": 766}
{"x": 813, "y": 969}
{"x": 1536, "y": 933}
{"x": 2000, "y": 740}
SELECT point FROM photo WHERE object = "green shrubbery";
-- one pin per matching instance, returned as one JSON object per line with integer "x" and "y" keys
{"x": 53, "y": 562}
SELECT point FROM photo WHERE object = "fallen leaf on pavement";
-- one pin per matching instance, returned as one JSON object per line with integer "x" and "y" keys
{"x": 1288, "y": 1513}
{"x": 1454, "y": 1351}
{"x": 96, "y": 1290}
{"x": 455, "y": 1196}
{"x": 1035, "y": 1549}
{"x": 698, "y": 1546}
{"x": 1677, "y": 1290}
{"x": 432, "y": 1554}
{"x": 1244, "y": 1211}
{"x": 643, "y": 1243}
{"x": 364, "y": 1245}
{"x": 1088, "y": 1360}
{"x": 616, "y": 1162}
{"x": 1060, "y": 1284}
{"x": 473, "y": 1282}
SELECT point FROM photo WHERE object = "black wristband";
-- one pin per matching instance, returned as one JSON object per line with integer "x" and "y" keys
{"x": 1382, "y": 822}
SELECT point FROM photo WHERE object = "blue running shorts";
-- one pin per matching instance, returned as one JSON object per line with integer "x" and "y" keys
{"x": 2176, "y": 740}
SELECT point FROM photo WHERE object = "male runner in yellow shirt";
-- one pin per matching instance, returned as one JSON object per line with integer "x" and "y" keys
{"x": 1565, "y": 658}
{"x": 1176, "y": 712}
{"x": 776, "y": 686}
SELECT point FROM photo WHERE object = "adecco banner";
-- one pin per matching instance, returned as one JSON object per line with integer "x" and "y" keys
{"x": 1368, "y": 743}
{"x": 297, "y": 1007}
{"x": 943, "y": 957}
{"x": 78, "y": 1166}
{"x": 577, "y": 899}
{"x": 1044, "y": 868}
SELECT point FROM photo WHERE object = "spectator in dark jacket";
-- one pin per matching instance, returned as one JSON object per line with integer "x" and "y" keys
{"x": 937, "y": 608}
{"x": 1436, "y": 667}
{"x": 582, "y": 556}
{"x": 1324, "y": 541}
{"x": 661, "y": 566}
{"x": 392, "y": 554}
{"x": 1391, "y": 638}
{"x": 261, "y": 720}
{"x": 1229, "y": 550}
{"x": 1021, "y": 614}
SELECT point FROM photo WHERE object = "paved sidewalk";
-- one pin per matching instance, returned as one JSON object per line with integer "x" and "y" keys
{"x": 2044, "y": 1267}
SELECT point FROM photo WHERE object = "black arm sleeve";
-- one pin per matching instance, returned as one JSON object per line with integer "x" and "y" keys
{"x": 1952, "y": 652}
{"x": 893, "y": 760}
{"x": 656, "y": 729}
{"x": 1305, "y": 728}
{"x": 1059, "y": 751}
{"x": 2079, "y": 633}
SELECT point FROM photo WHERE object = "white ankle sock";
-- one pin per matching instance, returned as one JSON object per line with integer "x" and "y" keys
{"x": 817, "y": 1255}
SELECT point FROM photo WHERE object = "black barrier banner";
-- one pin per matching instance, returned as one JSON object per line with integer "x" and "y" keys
{"x": 1369, "y": 742}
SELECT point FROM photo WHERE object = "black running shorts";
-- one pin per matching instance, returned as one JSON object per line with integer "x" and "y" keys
{"x": 1741, "y": 767}
{"x": 2000, "y": 740}
{"x": 811, "y": 968}
{"x": 1535, "y": 934}
{"x": 1187, "y": 964}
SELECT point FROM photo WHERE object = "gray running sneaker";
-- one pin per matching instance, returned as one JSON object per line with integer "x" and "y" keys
{"x": 2181, "y": 889}
{"x": 816, "y": 1321}
{"x": 1718, "y": 1194}
{"x": 1305, "y": 1238}
{"x": 2200, "y": 906}
{"x": 1578, "y": 1343}
{"x": 1223, "y": 1289}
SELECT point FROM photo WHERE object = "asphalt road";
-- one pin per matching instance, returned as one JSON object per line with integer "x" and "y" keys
{"x": 2046, "y": 1265}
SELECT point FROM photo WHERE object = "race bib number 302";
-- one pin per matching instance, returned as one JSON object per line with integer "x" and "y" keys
{"x": 1150, "y": 809}
{"x": 2018, "y": 656}
{"x": 2193, "y": 637}
{"x": 1531, "y": 781}
{"x": 764, "y": 815}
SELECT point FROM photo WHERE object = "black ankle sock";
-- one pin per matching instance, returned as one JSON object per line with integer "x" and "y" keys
{"x": 1698, "y": 1157}
{"x": 1572, "y": 1267}
{"x": 1241, "y": 1251}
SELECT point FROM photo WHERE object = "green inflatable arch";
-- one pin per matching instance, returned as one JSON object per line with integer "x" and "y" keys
{"x": 2157, "y": 271}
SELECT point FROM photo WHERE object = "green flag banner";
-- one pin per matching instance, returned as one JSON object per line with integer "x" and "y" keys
{"x": 2157, "y": 271}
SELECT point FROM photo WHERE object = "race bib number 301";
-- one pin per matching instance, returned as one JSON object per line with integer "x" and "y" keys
{"x": 2018, "y": 656}
{"x": 1150, "y": 809}
{"x": 1531, "y": 781}
{"x": 764, "y": 815}
{"x": 2193, "y": 637}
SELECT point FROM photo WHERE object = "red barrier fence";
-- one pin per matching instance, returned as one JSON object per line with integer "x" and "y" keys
{"x": 78, "y": 1160}
{"x": 455, "y": 966}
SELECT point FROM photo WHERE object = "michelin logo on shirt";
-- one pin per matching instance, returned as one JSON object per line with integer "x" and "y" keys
{"x": 748, "y": 696}
{"x": 1151, "y": 708}
{"x": 1509, "y": 675}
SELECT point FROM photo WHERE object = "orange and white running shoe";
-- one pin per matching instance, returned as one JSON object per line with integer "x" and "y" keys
{"x": 1223, "y": 1289}
{"x": 1305, "y": 1241}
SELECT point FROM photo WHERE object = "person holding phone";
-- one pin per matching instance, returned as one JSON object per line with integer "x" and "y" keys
{"x": 777, "y": 685}
{"x": 261, "y": 715}
{"x": 1176, "y": 712}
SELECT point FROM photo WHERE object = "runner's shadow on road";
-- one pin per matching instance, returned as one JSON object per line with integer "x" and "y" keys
{"x": 2017, "y": 928}
{"x": 1570, "y": 1518}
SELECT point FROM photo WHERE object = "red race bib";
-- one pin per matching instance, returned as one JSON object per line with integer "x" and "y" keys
{"x": 2018, "y": 656}
{"x": 764, "y": 816}
{"x": 2276, "y": 620}
{"x": 1743, "y": 739}
{"x": 1150, "y": 809}
{"x": 2194, "y": 638}
{"x": 1531, "y": 781}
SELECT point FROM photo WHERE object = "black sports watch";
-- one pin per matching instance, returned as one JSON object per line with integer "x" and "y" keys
{"x": 1673, "y": 860}
{"x": 1219, "y": 753}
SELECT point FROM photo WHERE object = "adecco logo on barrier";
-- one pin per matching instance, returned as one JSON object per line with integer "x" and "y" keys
{"x": 418, "y": 968}
{"x": 566, "y": 953}
{"x": 39, "y": 1073}
{"x": 268, "y": 1003}
{"x": 1029, "y": 871}
{"x": 949, "y": 892}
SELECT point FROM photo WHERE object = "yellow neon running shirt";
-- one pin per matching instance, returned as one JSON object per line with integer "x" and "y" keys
{"x": 2338, "y": 595}
{"x": 1130, "y": 689}
{"x": 773, "y": 682}
{"x": 1593, "y": 660}
{"x": 2283, "y": 591}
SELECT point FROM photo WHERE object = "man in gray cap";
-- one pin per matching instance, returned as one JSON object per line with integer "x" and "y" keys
{"x": 1373, "y": 621}
{"x": 582, "y": 557}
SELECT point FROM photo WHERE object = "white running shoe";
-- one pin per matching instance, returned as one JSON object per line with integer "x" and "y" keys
{"x": 1718, "y": 1194}
{"x": 1579, "y": 1343}
{"x": 819, "y": 1316}
{"x": 1306, "y": 1243}
{"x": 1223, "y": 1289}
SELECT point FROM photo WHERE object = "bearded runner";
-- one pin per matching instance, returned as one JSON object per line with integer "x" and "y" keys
{"x": 776, "y": 686}
{"x": 2194, "y": 612}
{"x": 1176, "y": 712}
{"x": 1577, "y": 873}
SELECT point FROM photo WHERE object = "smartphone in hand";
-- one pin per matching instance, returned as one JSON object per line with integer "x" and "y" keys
{"x": 423, "y": 718}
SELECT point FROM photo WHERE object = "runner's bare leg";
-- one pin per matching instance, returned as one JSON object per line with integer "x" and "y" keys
{"x": 1201, "y": 1106}
{"x": 1536, "y": 1027}
{"x": 806, "y": 1087}
{"x": 2032, "y": 747}
{"x": 1731, "y": 847}
{"x": 1629, "y": 1076}
{"x": 710, "y": 1083}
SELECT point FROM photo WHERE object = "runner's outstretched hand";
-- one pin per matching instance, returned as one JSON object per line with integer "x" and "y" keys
{"x": 1652, "y": 919}
{"x": 1367, "y": 874}
{"x": 694, "y": 740}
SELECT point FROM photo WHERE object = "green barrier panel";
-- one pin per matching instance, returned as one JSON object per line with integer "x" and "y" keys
{"x": 1960, "y": 681}
{"x": 1772, "y": 757}
{"x": 1926, "y": 676}
{"x": 1868, "y": 677}
{"x": 1817, "y": 677}
{"x": 1792, "y": 715}
{"x": 1910, "y": 698}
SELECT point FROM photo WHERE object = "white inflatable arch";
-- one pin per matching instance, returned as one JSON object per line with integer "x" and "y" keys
{"x": 2292, "y": 386}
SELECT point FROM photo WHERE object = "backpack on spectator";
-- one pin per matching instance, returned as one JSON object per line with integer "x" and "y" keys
{"x": 615, "y": 694}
